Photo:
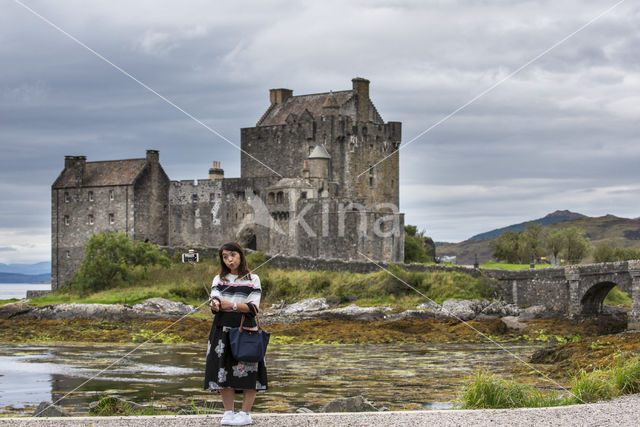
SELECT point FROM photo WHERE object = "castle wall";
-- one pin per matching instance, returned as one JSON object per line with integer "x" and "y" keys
{"x": 76, "y": 215}
{"x": 336, "y": 229}
{"x": 211, "y": 212}
{"x": 152, "y": 205}
{"x": 196, "y": 212}
{"x": 354, "y": 147}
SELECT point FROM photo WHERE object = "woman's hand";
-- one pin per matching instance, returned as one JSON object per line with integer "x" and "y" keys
{"x": 215, "y": 305}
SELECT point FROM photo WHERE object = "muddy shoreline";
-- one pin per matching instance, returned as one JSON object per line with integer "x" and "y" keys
{"x": 572, "y": 345}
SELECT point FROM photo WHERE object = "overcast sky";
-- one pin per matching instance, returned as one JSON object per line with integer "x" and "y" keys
{"x": 561, "y": 134}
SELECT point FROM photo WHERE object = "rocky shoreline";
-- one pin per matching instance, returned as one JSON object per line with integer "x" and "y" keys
{"x": 308, "y": 309}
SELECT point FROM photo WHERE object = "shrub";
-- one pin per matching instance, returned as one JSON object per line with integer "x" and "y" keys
{"x": 591, "y": 386}
{"x": 626, "y": 376}
{"x": 486, "y": 391}
{"x": 110, "y": 256}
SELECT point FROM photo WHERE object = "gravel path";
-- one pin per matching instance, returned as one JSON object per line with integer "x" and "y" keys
{"x": 624, "y": 411}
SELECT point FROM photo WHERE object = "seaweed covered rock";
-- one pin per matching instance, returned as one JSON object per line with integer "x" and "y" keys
{"x": 349, "y": 404}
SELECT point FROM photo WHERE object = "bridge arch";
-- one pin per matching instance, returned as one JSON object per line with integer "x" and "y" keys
{"x": 592, "y": 301}
{"x": 592, "y": 288}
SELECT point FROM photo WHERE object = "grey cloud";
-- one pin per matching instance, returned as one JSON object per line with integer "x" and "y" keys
{"x": 567, "y": 118}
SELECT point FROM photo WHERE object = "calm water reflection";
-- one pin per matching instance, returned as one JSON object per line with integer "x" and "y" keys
{"x": 401, "y": 376}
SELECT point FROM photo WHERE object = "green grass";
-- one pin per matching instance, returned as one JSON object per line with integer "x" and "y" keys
{"x": 505, "y": 266}
{"x": 189, "y": 284}
{"x": 594, "y": 386}
{"x": 617, "y": 296}
{"x": 486, "y": 391}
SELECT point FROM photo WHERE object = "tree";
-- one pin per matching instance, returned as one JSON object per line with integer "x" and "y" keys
{"x": 505, "y": 247}
{"x": 576, "y": 245}
{"x": 607, "y": 253}
{"x": 556, "y": 243}
{"x": 110, "y": 256}
{"x": 417, "y": 247}
{"x": 530, "y": 246}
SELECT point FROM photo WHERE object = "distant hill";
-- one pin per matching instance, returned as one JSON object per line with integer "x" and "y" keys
{"x": 616, "y": 231}
{"x": 552, "y": 218}
{"x": 25, "y": 278}
{"x": 37, "y": 268}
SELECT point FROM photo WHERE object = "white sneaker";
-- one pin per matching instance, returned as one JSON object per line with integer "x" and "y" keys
{"x": 241, "y": 419}
{"x": 227, "y": 418}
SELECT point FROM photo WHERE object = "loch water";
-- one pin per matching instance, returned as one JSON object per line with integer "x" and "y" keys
{"x": 396, "y": 376}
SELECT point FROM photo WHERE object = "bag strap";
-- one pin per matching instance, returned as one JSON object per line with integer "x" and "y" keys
{"x": 257, "y": 323}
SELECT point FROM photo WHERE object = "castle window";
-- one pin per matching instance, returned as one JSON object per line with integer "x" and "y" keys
{"x": 270, "y": 198}
{"x": 370, "y": 176}
{"x": 212, "y": 197}
{"x": 194, "y": 198}
{"x": 68, "y": 254}
{"x": 90, "y": 196}
{"x": 280, "y": 197}
{"x": 67, "y": 199}
{"x": 112, "y": 195}
{"x": 90, "y": 219}
{"x": 112, "y": 218}
{"x": 303, "y": 195}
{"x": 364, "y": 133}
{"x": 240, "y": 194}
{"x": 67, "y": 221}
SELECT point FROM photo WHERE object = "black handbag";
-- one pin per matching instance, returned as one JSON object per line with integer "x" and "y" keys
{"x": 248, "y": 345}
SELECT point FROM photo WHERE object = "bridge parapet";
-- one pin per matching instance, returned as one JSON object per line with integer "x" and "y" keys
{"x": 573, "y": 290}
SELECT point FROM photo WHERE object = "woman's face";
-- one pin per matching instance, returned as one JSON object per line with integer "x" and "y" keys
{"x": 231, "y": 259}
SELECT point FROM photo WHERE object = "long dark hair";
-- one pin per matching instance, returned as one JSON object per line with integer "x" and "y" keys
{"x": 223, "y": 270}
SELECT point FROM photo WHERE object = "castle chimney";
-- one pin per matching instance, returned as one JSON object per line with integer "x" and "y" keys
{"x": 216, "y": 172}
{"x": 361, "y": 90}
{"x": 278, "y": 96}
{"x": 68, "y": 162}
{"x": 76, "y": 164}
{"x": 153, "y": 156}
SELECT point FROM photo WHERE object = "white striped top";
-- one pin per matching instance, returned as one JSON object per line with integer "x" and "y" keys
{"x": 234, "y": 289}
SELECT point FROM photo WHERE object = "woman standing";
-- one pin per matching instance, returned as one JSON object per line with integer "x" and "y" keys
{"x": 234, "y": 292}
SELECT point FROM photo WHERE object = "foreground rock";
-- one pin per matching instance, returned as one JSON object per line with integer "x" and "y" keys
{"x": 165, "y": 307}
{"x": 154, "y": 307}
{"x": 349, "y": 404}
{"x": 10, "y": 310}
{"x": 47, "y": 409}
{"x": 318, "y": 308}
{"x": 306, "y": 306}
{"x": 513, "y": 322}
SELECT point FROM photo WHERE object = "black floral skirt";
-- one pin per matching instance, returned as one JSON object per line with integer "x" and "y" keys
{"x": 223, "y": 371}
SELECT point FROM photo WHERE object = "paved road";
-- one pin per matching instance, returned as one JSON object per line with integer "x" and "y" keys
{"x": 624, "y": 411}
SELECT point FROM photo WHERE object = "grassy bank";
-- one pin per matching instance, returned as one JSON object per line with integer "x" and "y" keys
{"x": 190, "y": 284}
{"x": 486, "y": 391}
{"x": 505, "y": 266}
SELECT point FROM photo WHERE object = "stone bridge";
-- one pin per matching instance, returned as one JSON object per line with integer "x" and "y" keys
{"x": 574, "y": 290}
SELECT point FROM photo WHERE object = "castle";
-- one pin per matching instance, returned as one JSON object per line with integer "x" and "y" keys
{"x": 319, "y": 178}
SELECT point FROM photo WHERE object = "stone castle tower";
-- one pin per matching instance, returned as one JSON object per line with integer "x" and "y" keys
{"x": 319, "y": 178}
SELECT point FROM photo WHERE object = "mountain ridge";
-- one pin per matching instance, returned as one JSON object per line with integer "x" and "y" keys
{"x": 549, "y": 219}
{"x": 607, "y": 229}
{"x": 24, "y": 278}
{"x": 35, "y": 268}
